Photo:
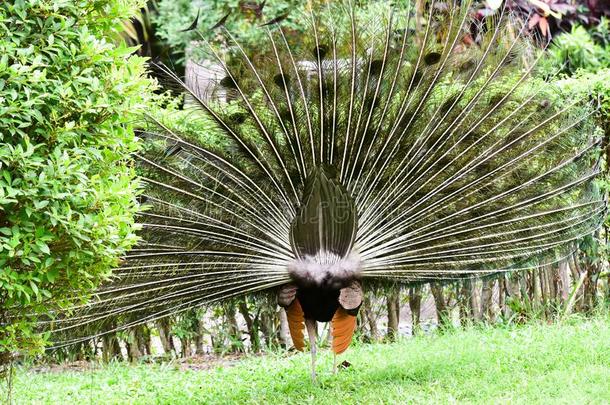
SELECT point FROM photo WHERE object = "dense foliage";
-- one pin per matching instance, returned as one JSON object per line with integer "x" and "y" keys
{"x": 173, "y": 16}
{"x": 582, "y": 49}
{"x": 67, "y": 188}
{"x": 244, "y": 20}
{"x": 581, "y": 60}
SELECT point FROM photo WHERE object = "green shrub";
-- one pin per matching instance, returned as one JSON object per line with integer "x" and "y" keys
{"x": 68, "y": 99}
{"x": 577, "y": 49}
{"x": 595, "y": 84}
{"x": 582, "y": 59}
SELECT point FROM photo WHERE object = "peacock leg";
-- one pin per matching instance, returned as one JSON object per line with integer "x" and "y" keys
{"x": 334, "y": 363}
{"x": 312, "y": 332}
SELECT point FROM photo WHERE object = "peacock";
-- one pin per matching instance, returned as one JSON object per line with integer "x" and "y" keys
{"x": 414, "y": 147}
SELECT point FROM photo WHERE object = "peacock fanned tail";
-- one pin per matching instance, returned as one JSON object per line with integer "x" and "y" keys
{"x": 358, "y": 150}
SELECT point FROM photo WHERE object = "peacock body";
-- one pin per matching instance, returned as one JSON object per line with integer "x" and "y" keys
{"x": 363, "y": 152}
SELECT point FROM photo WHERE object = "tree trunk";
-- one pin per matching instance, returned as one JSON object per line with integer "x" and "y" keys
{"x": 564, "y": 281}
{"x": 525, "y": 292}
{"x": 265, "y": 322}
{"x": 475, "y": 300}
{"x": 252, "y": 328}
{"x": 185, "y": 348}
{"x": 420, "y": 6}
{"x": 537, "y": 290}
{"x": 367, "y": 312}
{"x": 544, "y": 291}
{"x": 548, "y": 289}
{"x": 143, "y": 336}
{"x": 165, "y": 335}
{"x": 199, "y": 349}
{"x": 576, "y": 272}
{"x": 232, "y": 327}
{"x": 502, "y": 295}
{"x": 590, "y": 287}
{"x": 463, "y": 301}
{"x": 487, "y": 301}
{"x": 608, "y": 288}
{"x": 513, "y": 287}
{"x": 442, "y": 312}
{"x": 393, "y": 305}
{"x": 553, "y": 277}
{"x": 111, "y": 349}
{"x": 133, "y": 349}
{"x": 415, "y": 297}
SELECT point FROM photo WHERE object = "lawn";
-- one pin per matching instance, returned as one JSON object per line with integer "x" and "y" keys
{"x": 536, "y": 363}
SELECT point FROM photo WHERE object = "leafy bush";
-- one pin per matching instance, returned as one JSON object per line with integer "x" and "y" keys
{"x": 596, "y": 84}
{"x": 580, "y": 49}
{"x": 582, "y": 60}
{"x": 67, "y": 187}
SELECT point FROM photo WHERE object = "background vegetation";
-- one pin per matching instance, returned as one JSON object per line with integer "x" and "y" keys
{"x": 68, "y": 98}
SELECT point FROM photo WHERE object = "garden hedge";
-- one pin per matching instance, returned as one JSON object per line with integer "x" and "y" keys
{"x": 69, "y": 95}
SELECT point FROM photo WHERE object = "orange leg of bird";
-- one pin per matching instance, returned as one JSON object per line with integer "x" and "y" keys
{"x": 312, "y": 332}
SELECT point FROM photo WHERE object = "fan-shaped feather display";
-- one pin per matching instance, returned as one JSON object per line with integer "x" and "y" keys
{"x": 358, "y": 153}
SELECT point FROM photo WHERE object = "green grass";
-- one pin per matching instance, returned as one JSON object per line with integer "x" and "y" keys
{"x": 567, "y": 363}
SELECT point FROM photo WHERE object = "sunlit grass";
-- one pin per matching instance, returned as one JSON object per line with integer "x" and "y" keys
{"x": 537, "y": 363}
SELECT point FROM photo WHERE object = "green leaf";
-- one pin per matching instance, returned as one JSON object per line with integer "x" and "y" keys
{"x": 44, "y": 248}
{"x": 52, "y": 274}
